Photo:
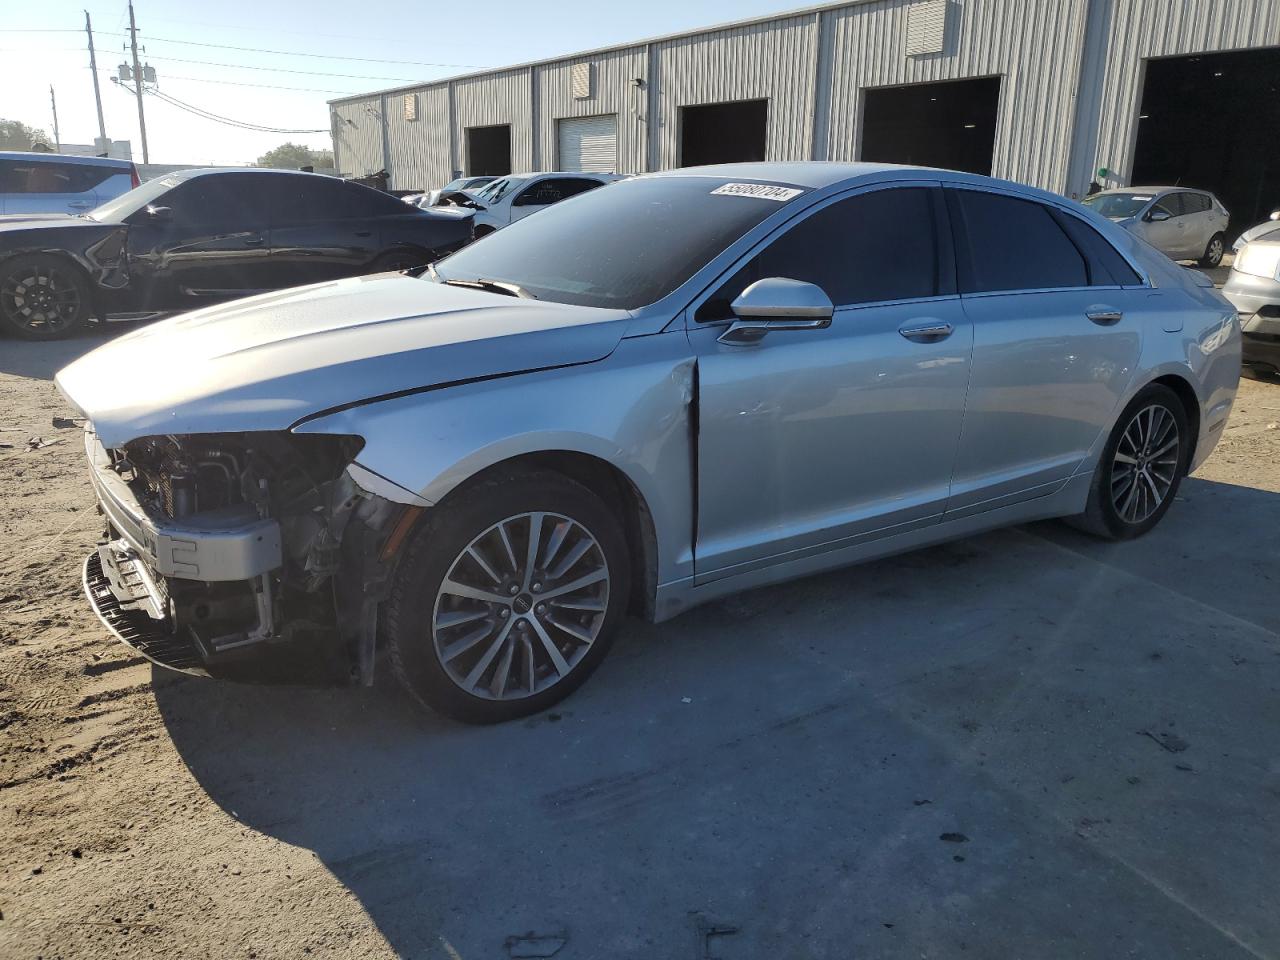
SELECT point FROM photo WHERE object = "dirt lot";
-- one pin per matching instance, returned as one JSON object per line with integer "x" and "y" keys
{"x": 1025, "y": 744}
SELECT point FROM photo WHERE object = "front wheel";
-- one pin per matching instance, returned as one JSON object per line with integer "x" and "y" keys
{"x": 1214, "y": 250}
{"x": 42, "y": 298}
{"x": 1141, "y": 466}
{"x": 508, "y": 597}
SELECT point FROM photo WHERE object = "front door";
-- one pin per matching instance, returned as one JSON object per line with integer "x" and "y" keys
{"x": 208, "y": 240}
{"x": 813, "y": 439}
{"x": 1057, "y": 320}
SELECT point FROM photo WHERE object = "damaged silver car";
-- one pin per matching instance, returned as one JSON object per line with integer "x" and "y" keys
{"x": 647, "y": 397}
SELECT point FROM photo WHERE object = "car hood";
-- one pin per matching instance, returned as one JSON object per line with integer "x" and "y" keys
{"x": 266, "y": 362}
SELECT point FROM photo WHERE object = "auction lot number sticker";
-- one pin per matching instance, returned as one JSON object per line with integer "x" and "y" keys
{"x": 764, "y": 191}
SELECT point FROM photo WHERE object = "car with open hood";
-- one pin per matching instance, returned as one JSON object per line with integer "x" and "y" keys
{"x": 199, "y": 237}
{"x": 647, "y": 397}
{"x": 504, "y": 200}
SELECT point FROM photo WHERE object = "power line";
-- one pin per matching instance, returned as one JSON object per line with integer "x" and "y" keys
{"x": 297, "y": 53}
{"x": 310, "y": 73}
{"x": 239, "y": 83}
{"x": 218, "y": 118}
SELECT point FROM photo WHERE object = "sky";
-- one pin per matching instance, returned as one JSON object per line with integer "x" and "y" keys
{"x": 235, "y": 58}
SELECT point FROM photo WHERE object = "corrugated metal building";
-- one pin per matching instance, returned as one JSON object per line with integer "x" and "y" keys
{"x": 1046, "y": 92}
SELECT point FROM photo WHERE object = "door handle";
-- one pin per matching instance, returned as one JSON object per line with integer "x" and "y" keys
{"x": 254, "y": 241}
{"x": 364, "y": 233}
{"x": 930, "y": 331}
{"x": 1104, "y": 316}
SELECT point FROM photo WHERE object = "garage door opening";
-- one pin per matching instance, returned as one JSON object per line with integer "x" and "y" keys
{"x": 723, "y": 132}
{"x": 489, "y": 151}
{"x": 951, "y": 124}
{"x": 1207, "y": 121}
{"x": 587, "y": 144}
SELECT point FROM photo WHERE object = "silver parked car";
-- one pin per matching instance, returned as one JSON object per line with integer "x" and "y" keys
{"x": 1268, "y": 229}
{"x": 649, "y": 396}
{"x": 1254, "y": 289}
{"x": 1182, "y": 224}
{"x": 61, "y": 183}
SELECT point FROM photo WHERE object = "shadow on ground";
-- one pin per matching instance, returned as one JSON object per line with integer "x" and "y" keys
{"x": 40, "y": 361}
{"x": 1023, "y": 744}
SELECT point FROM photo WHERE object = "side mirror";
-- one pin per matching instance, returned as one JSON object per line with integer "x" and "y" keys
{"x": 777, "y": 303}
{"x": 158, "y": 214}
{"x": 1156, "y": 216}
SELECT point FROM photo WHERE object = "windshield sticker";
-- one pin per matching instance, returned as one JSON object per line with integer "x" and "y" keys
{"x": 762, "y": 190}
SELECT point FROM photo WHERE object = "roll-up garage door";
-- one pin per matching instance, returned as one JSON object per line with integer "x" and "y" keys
{"x": 589, "y": 144}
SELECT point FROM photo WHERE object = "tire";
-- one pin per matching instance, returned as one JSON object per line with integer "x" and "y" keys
{"x": 1214, "y": 250}
{"x": 400, "y": 260}
{"x": 1115, "y": 511}
{"x": 43, "y": 297}
{"x": 485, "y": 655}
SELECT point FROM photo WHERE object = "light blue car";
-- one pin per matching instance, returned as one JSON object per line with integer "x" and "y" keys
{"x": 61, "y": 183}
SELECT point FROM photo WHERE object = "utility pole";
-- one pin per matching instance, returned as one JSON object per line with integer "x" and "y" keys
{"x": 137, "y": 83}
{"x": 53, "y": 100}
{"x": 97, "y": 93}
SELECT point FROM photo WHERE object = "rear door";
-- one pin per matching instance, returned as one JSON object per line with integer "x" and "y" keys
{"x": 1057, "y": 320}
{"x": 1165, "y": 235}
{"x": 323, "y": 228}
{"x": 40, "y": 185}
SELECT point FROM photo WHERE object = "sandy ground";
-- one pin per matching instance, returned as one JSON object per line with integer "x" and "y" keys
{"x": 144, "y": 814}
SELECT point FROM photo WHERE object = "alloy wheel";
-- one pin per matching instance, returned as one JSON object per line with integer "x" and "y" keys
{"x": 1145, "y": 464}
{"x": 1216, "y": 249}
{"x": 520, "y": 606}
{"x": 43, "y": 298}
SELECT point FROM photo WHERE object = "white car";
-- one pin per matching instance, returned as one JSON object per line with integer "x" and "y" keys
{"x": 517, "y": 195}
{"x": 1181, "y": 224}
{"x": 1268, "y": 229}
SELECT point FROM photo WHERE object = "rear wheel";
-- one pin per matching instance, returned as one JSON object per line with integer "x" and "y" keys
{"x": 508, "y": 597}
{"x": 1141, "y": 466}
{"x": 42, "y": 298}
{"x": 1214, "y": 250}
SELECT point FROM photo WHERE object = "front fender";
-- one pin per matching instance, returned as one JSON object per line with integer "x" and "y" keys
{"x": 630, "y": 410}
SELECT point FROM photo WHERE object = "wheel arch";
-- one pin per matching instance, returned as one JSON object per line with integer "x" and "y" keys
{"x": 71, "y": 260}
{"x": 1186, "y": 393}
{"x": 611, "y": 484}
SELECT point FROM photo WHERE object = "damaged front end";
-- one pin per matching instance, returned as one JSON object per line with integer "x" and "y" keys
{"x": 255, "y": 555}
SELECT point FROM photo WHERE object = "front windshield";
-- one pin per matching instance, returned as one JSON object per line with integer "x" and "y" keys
{"x": 494, "y": 191}
{"x": 114, "y": 211}
{"x": 1118, "y": 205}
{"x": 623, "y": 246}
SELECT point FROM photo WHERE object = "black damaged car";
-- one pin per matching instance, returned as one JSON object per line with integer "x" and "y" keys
{"x": 198, "y": 237}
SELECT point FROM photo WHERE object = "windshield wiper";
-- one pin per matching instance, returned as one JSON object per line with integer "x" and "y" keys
{"x": 494, "y": 286}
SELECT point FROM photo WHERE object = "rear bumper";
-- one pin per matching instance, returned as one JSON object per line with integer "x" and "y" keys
{"x": 213, "y": 547}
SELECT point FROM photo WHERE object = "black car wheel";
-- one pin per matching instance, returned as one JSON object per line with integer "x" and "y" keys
{"x": 42, "y": 298}
{"x": 507, "y": 598}
{"x": 1141, "y": 466}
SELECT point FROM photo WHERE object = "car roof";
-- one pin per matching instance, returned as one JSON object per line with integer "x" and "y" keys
{"x": 1155, "y": 190}
{"x": 74, "y": 158}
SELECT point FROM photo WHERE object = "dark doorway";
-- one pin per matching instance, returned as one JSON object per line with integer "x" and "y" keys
{"x": 489, "y": 151}
{"x": 723, "y": 132}
{"x": 951, "y": 124}
{"x": 1208, "y": 121}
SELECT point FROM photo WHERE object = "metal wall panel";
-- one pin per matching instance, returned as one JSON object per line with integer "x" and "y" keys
{"x": 492, "y": 99}
{"x": 776, "y": 61}
{"x": 418, "y": 151}
{"x": 613, "y": 91}
{"x": 1033, "y": 45}
{"x": 1141, "y": 29}
{"x": 357, "y": 136}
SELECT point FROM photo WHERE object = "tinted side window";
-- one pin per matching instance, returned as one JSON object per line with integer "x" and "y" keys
{"x": 307, "y": 200}
{"x": 542, "y": 193}
{"x": 367, "y": 202}
{"x": 1106, "y": 266}
{"x": 1198, "y": 202}
{"x": 575, "y": 186}
{"x": 228, "y": 201}
{"x": 47, "y": 176}
{"x": 1012, "y": 244}
{"x": 870, "y": 248}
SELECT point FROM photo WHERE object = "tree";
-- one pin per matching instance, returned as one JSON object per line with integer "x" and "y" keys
{"x": 291, "y": 156}
{"x": 16, "y": 135}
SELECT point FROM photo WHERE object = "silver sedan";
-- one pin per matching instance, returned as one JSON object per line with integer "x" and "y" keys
{"x": 648, "y": 397}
